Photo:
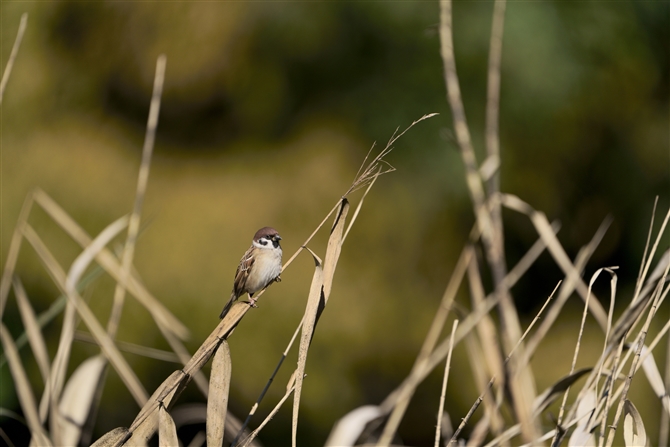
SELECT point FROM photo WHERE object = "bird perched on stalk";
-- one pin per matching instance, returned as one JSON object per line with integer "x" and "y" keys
{"x": 259, "y": 267}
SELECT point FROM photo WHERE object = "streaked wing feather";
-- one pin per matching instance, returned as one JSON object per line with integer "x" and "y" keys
{"x": 243, "y": 272}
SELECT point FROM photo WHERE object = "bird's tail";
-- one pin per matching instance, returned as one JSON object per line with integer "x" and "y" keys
{"x": 228, "y": 305}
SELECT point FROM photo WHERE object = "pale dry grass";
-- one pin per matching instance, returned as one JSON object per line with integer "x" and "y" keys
{"x": 499, "y": 354}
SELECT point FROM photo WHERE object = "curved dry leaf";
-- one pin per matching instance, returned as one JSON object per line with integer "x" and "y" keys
{"x": 313, "y": 301}
{"x": 217, "y": 402}
{"x": 109, "y": 348}
{"x": 581, "y": 436}
{"x": 112, "y": 438}
{"x": 161, "y": 315}
{"x": 23, "y": 390}
{"x": 334, "y": 248}
{"x": 634, "y": 434}
{"x": 550, "y": 394}
{"x": 167, "y": 431}
{"x": 75, "y": 404}
{"x": 91, "y": 251}
{"x": 347, "y": 430}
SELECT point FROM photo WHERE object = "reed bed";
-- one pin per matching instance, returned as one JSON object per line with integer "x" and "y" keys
{"x": 594, "y": 401}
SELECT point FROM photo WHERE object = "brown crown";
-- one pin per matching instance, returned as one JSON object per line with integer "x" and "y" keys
{"x": 268, "y": 232}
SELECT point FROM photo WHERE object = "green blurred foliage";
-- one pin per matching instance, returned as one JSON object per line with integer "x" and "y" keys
{"x": 267, "y": 112}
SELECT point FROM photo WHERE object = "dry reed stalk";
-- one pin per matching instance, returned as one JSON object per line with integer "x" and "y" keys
{"x": 33, "y": 330}
{"x": 23, "y": 390}
{"x": 447, "y": 366}
{"x": 656, "y": 296}
{"x": 13, "y": 254}
{"x": 143, "y": 178}
{"x": 557, "y": 438}
{"x": 484, "y": 345}
{"x": 430, "y": 355}
{"x": 12, "y": 55}
{"x": 520, "y": 380}
{"x": 567, "y": 288}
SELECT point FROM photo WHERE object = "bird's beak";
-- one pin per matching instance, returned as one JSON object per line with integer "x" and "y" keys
{"x": 277, "y": 238}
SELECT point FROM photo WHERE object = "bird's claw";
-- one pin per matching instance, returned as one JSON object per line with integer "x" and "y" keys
{"x": 278, "y": 278}
{"x": 252, "y": 302}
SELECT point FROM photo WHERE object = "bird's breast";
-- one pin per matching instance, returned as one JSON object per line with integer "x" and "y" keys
{"x": 267, "y": 266}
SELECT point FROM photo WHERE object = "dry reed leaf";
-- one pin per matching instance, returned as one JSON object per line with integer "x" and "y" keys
{"x": 132, "y": 348}
{"x": 33, "y": 330}
{"x": 75, "y": 403}
{"x": 349, "y": 427}
{"x": 167, "y": 431}
{"x": 334, "y": 249}
{"x": 551, "y": 394}
{"x": 163, "y": 317}
{"x": 112, "y": 438}
{"x": 111, "y": 352}
{"x": 23, "y": 390}
{"x": 217, "y": 402}
{"x": 12, "y": 55}
{"x": 634, "y": 434}
{"x": 582, "y": 436}
{"x": 654, "y": 378}
{"x": 319, "y": 294}
{"x": 313, "y": 302}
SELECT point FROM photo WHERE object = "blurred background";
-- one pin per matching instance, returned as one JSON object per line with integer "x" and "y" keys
{"x": 268, "y": 111}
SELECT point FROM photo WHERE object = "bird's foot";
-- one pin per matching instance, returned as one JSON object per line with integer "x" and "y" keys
{"x": 278, "y": 278}
{"x": 252, "y": 302}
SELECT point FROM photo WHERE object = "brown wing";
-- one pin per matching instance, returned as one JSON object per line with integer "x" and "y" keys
{"x": 242, "y": 273}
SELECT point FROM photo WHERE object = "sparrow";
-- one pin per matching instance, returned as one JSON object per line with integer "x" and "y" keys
{"x": 259, "y": 267}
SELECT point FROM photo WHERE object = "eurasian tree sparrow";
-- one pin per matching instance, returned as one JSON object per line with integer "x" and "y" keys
{"x": 259, "y": 267}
